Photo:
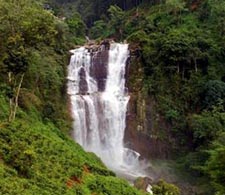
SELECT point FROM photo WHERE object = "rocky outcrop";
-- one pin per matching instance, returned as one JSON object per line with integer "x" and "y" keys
{"x": 100, "y": 56}
{"x": 144, "y": 183}
{"x": 99, "y": 67}
{"x": 83, "y": 82}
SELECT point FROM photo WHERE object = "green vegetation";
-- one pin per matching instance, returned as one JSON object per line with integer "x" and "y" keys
{"x": 37, "y": 158}
{"x": 91, "y": 10}
{"x": 163, "y": 188}
{"x": 182, "y": 54}
{"x": 36, "y": 154}
{"x": 181, "y": 49}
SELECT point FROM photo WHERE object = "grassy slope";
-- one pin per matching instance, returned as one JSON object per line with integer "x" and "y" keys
{"x": 36, "y": 158}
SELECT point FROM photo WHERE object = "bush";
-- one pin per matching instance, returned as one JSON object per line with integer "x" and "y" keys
{"x": 163, "y": 188}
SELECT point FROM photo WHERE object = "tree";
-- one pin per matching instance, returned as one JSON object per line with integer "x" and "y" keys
{"x": 164, "y": 188}
{"x": 206, "y": 126}
{"x": 24, "y": 25}
{"x": 117, "y": 16}
{"x": 100, "y": 29}
{"x": 215, "y": 165}
{"x": 213, "y": 93}
{"x": 76, "y": 27}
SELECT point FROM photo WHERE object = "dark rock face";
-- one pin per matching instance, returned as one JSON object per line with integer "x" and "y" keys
{"x": 144, "y": 126}
{"x": 99, "y": 66}
{"x": 83, "y": 86}
{"x": 142, "y": 134}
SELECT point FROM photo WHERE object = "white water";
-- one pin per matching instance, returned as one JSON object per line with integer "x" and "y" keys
{"x": 100, "y": 117}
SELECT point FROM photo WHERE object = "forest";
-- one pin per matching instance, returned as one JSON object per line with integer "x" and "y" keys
{"x": 182, "y": 54}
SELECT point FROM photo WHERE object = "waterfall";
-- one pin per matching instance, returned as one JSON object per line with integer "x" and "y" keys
{"x": 99, "y": 102}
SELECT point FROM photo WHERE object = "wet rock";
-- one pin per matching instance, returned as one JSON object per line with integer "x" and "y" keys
{"x": 144, "y": 183}
{"x": 106, "y": 43}
{"x": 83, "y": 86}
{"x": 99, "y": 67}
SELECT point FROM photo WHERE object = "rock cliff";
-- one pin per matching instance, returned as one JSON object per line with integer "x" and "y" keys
{"x": 146, "y": 131}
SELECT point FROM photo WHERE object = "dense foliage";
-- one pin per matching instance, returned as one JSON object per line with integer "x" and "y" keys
{"x": 92, "y": 10}
{"x": 37, "y": 158}
{"x": 36, "y": 154}
{"x": 181, "y": 47}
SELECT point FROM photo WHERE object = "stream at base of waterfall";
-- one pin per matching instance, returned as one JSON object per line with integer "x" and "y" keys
{"x": 99, "y": 104}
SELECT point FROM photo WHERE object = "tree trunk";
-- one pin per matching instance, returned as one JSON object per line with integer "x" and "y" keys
{"x": 17, "y": 96}
{"x": 178, "y": 67}
{"x": 14, "y": 101}
{"x": 183, "y": 72}
{"x": 11, "y": 98}
{"x": 196, "y": 66}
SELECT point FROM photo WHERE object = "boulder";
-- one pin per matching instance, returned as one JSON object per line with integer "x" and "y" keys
{"x": 144, "y": 183}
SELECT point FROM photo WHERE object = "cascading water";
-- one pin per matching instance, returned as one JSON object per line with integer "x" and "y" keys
{"x": 99, "y": 107}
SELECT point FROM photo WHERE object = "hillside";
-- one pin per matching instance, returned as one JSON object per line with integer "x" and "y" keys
{"x": 36, "y": 158}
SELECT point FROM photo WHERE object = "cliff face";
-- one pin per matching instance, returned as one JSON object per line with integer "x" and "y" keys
{"x": 146, "y": 131}
{"x": 99, "y": 66}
